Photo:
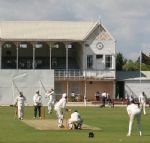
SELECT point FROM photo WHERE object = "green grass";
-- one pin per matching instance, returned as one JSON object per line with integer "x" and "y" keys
{"x": 112, "y": 121}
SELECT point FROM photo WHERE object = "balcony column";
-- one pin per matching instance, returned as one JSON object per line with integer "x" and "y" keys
{"x": 66, "y": 46}
{"x": 50, "y": 44}
{"x": 33, "y": 60}
{"x": 50, "y": 55}
{"x": 17, "y": 48}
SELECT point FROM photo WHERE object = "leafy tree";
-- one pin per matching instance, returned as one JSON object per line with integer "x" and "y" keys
{"x": 120, "y": 61}
{"x": 131, "y": 66}
{"x": 135, "y": 66}
{"x": 123, "y": 64}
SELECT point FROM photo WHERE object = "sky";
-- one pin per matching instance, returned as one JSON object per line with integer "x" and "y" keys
{"x": 127, "y": 20}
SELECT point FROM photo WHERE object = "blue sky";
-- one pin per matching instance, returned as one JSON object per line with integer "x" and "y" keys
{"x": 127, "y": 20}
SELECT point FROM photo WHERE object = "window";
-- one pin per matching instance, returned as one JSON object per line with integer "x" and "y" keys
{"x": 99, "y": 56}
{"x": 108, "y": 61}
{"x": 39, "y": 45}
{"x": 7, "y": 45}
{"x": 23, "y": 45}
{"x": 89, "y": 61}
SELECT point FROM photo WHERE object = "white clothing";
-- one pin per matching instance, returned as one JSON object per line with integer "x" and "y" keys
{"x": 104, "y": 94}
{"x": 142, "y": 101}
{"x": 73, "y": 94}
{"x": 51, "y": 96}
{"x": 134, "y": 112}
{"x": 133, "y": 109}
{"x": 37, "y": 100}
{"x": 59, "y": 106}
{"x": 142, "y": 98}
{"x": 51, "y": 101}
{"x": 20, "y": 100}
{"x": 20, "y": 106}
{"x": 61, "y": 103}
{"x": 75, "y": 118}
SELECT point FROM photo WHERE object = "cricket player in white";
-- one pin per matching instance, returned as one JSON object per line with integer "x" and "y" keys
{"x": 20, "y": 105}
{"x": 75, "y": 120}
{"x": 142, "y": 101}
{"x": 60, "y": 107}
{"x": 134, "y": 112}
{"x": 51, "y": 95}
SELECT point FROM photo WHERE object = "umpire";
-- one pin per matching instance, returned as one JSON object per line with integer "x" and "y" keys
{"x": 37, "y": 101}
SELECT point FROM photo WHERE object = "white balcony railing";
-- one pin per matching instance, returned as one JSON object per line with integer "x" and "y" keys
{"x": 86, "y": 74}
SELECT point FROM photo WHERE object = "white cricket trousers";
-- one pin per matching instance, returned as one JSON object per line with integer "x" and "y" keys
{"x": 20, "y": 112}
{"x": 60, "y": 117}
{"x": 50, "y": 106}
{"x": 142, "y": 106}
{"x": 138, "y": 118}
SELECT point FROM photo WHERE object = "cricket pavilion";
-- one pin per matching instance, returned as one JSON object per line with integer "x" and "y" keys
{"x": 69, "y": 56}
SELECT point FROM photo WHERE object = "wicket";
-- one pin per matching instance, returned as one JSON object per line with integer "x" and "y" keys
{"x": 43, "y": 112}
{"x": 66, "y": 117}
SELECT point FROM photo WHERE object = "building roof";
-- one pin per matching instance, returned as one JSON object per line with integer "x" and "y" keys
{"x": 46, "y": 30}
{"x": 132, "y": 75}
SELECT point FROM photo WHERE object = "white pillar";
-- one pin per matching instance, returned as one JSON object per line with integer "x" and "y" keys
{"x": 17, "y": 47}
{"x": 50, "y": 55}
{"x": 66, "y": 46}
{"x": 33, "y": 62}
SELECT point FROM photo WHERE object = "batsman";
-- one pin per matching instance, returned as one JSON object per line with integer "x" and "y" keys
{"x": 60, "y": 107}
{"x": 51, "y": 95}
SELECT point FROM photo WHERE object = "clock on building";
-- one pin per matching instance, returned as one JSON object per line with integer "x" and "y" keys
{"x": 99, "y": 45}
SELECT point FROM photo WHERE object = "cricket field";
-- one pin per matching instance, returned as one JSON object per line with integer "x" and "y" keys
{"x": 111, "y": 122}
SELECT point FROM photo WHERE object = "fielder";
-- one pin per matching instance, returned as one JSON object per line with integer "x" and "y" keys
{"x": 60, "y": 107}
{"x": 142, "y": 101}
{"x": 20, "y": 105}
{"x": 51, "y": 95}
{"x": 75, "y": 121}
{"x": 134, "y": 112}
{"x": 37, "y": 102}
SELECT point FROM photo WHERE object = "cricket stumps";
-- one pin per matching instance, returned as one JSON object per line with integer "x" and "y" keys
{"x": 43, "y": 112}
{"x": 66, "y": 117}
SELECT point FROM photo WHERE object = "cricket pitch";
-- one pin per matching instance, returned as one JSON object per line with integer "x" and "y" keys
{"x": 52, "y": 125}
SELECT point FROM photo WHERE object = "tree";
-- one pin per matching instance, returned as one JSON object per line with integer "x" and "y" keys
{"x": 123, "y": 64}
{"x": 120, "y": 61}
{"x": 131, "y": 66}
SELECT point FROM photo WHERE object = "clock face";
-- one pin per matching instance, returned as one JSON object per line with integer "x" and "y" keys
{"x": 99, "y": 45}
